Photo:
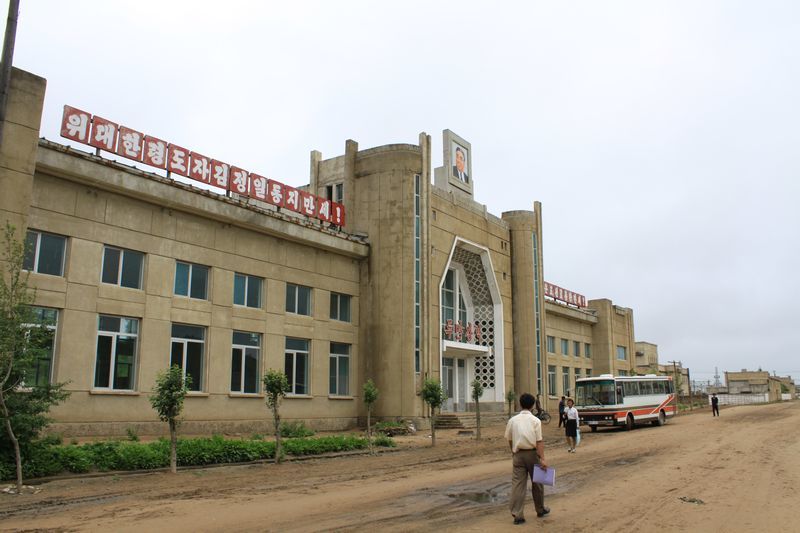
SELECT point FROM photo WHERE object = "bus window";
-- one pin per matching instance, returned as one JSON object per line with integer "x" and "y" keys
{"x": 646, "y": 387}
{"x": 658, "y": 387}
{"x": 631, "y": 388}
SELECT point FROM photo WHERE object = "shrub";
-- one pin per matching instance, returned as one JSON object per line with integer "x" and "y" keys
{"x": 385, "y": 441}
{"x": 391, "y": 429}
{"x": 293, "y": 430}
{"x": 132, "y": 434}
{"x": 44, "y": 459}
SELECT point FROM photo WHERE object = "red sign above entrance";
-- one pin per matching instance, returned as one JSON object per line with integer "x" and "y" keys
{"x": 468, "y": 333}
{"x": 103, "y": 134}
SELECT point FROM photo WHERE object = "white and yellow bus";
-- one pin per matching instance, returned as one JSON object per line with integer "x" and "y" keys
{"x": 607, "y": 400}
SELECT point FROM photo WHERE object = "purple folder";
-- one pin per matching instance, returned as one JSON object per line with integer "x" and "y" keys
{"x": 545, "y": 477}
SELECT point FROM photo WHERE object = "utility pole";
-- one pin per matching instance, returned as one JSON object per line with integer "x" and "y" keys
{"x": 689, "y": 383}
{"x": 675, "y": 383}
{"x": 8, "y": 58}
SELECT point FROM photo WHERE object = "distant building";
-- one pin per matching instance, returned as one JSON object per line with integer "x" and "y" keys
{"x": 647, "y": 363}
{"x": 749, "y": 387}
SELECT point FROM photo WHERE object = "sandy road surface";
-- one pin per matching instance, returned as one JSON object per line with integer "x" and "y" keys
{"x": 743, "y": 466}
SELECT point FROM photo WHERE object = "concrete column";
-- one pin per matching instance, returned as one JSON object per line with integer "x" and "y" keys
{"x": 522, "y": 226}
{"x": 20, "y": 144}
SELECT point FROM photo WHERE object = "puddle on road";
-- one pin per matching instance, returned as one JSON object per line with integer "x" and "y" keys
{"x": 498, "y": 493}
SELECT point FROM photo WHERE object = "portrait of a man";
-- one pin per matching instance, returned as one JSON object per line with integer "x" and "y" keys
{"x": 460, "y": 169}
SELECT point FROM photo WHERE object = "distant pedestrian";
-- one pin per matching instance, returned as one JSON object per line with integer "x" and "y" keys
{"x": 524, "y": 436}
{"x": 572, "y": 421}
{"x": 561, "y": 406}
{"x": 714, "y": 405}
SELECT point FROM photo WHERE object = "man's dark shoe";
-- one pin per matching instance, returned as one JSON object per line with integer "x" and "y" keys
{"x": 518, "y": 521}
{"x": 546, "y": 511}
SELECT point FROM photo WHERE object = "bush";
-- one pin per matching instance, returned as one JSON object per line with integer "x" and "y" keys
{"x": 132, "y": 434}
{"x": 384, "y": 441}
{"x": 43, "y": 458}
{"x": 391, "y": 429}
{"x": 294, "y": 430}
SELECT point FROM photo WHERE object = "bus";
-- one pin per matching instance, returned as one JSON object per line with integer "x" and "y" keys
{"x": 625, "y": 400}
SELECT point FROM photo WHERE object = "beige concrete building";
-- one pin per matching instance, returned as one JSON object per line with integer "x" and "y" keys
{"x": 136, "y": 271}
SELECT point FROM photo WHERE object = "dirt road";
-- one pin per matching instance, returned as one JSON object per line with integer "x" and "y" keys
{"x": 738, "y": 472}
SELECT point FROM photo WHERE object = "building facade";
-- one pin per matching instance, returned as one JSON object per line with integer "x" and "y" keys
{"x": 135, "y": 271}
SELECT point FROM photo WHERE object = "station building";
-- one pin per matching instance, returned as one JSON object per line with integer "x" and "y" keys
{"x": 136, "y": 269}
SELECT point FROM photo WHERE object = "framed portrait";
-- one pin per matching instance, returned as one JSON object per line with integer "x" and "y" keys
{"x": 458, "y": 161}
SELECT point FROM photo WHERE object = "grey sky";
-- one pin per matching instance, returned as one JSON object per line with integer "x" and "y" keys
{"x": 662, "y": 138}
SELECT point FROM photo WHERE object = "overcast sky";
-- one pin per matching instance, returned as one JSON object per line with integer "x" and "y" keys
{"x": 661, "y": 137}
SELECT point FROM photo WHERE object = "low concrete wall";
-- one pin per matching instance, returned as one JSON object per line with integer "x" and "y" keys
{"x": 741, "y": 399}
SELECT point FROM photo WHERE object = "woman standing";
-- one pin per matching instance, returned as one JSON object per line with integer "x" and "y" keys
{"x": 572, "y": 417}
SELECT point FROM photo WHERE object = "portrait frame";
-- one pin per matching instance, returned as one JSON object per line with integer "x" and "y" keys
{"x": 454, "y": 146}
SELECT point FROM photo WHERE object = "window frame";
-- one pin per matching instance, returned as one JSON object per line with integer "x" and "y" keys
{"x": 565, "y": 382}
{"x": 52, "y": 352}
{"x": 247, "y": 282}
{"x": 242, "y": 362}
{"x": 622, "y": 350}
{"x": 123, "y": 252}
{"x": 587, "y": 350}
{"x": 341, "y": 299}
{"x": 551, "y": 380}
{"x": 334, "y": 360}
{"x": 36, "y": 252}
{"x": 551, "y": 344}
{"x": 564, "y": 346}
{"x": 189, "y": 278}
{"x": 295, "y": 352}
{"x": 576, "y": 348}
{"x": 184, "y": 341}
{"x": 113, "y": 355}
{"x": 296, "y": 287}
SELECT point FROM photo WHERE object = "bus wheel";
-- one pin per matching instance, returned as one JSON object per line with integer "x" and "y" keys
{"x": 662, "y": 419}
{"x": 629, "y": 422}
{"x": 594, "y": 429}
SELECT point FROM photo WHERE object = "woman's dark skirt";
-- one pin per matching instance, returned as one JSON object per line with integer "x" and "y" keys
{"x": 572, "y": 428}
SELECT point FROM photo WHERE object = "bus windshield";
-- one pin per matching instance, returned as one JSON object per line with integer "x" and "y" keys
{"x": 595, "y": 393}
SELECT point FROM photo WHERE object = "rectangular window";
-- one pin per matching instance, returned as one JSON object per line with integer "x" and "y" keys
{"x": 577, "y": 374}
{"x": 245, "y": 356}
{"x": 551, "y": 380}
{"x": 340, "y": 307}
{"x": 565, "y": 381}
{"x": 622, "y": 353}
{"x": 576, "y": 348}
{"x": 42, "y": 335}
{"x": 296, "y": 365}
{"x": 564, "y": 346}
{"x": 191, "y": 280}
{"x": 335, "y": 192}
{"x": 188, "y": 347}
{"x": 630, "y": 388}
{"x": 551, "y": 344}
{"x": 122, "y": 267}
{"x": 588, "y": 372}
{"x": 587, "y": 349}
{"x": 115, "y": 361}
{"x": 622, "y": 373}
{"x": 247, "y": 290}
{"x": 44, "y": 253}
{"x": 298, "y": 299}
{"x": 339, "y": 369}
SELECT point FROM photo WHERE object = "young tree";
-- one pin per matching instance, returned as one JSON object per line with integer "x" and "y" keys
{"x": 170, "y": 391}
{"x": 477, "y": 392}
{"x": 24, "y": 403}
{"x": 370, "y": 397}
{"x": 276, "y": 385}
{"x": 433, "y": 395}
{"x": 511, "y": 397}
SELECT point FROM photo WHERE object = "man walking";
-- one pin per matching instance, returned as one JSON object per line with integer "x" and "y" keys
{"x": 562, "y": 405}
{"x": 524, "y": 436}
{"x": 714, "y": 405}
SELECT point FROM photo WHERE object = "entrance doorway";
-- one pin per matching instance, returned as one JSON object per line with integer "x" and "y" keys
{"x": 454, "y": 382}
